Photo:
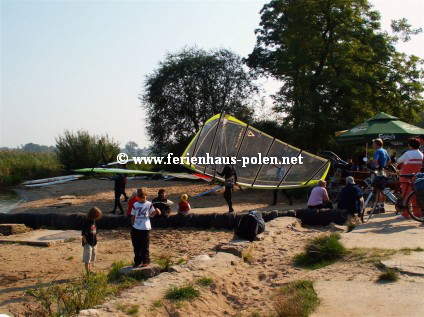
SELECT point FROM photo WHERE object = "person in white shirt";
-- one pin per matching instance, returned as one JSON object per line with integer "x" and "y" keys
{"x": 410, "y": 163}
{"x": 141, "y": 213}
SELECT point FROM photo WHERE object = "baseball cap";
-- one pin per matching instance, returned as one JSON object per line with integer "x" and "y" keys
{"x": 350, "y": 180}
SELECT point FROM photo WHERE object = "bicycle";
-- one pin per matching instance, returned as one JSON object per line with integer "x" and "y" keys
{"x": 377, "y": 184}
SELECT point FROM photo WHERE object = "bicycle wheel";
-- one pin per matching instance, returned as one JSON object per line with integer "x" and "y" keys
{"x": 333, "y": 194}
{"x": 413, "y": 205}
{"x": 368, "y": 209}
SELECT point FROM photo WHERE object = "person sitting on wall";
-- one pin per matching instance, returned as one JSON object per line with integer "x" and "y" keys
{"x": 351, "y": 197}
{"x": 162, "y": 202}
{"x": 319, "y": 197}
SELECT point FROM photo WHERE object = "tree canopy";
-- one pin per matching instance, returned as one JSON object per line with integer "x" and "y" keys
{"x": 336, "y": 65}
{"x": 189, "y": 87}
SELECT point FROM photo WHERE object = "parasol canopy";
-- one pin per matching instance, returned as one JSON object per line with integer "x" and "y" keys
{"x": 386, "y": 127}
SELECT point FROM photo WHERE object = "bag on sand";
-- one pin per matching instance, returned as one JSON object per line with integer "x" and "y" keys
{"x": 250, "y": 225}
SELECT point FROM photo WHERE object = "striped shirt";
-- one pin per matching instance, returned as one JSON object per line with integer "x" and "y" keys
{"x": 411, "y": 157}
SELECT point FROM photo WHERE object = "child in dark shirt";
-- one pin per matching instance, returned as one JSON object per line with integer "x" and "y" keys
{"x": 89, "y": 237}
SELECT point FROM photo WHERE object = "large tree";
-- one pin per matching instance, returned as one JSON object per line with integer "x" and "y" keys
{"x": 336, "y": 65}
{"x": 189, "y": 87}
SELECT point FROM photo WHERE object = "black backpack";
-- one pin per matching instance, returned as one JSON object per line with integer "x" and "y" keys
{"x": 250, "y": 225}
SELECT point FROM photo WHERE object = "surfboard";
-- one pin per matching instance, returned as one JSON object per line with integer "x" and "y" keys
{"x": 51, "y": 179}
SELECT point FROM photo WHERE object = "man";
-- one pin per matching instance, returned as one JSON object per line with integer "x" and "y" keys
{"x": 319, "y": 197}
{"x": 120, "y": 181}
{"x": 281, "y": 171}
{"x": 380, "y": 160}
{"x": 410, "y": 163}
{"x": 230, "y": 176}
{"x": 351, "y": 197}
{"x": 162, "y": 203}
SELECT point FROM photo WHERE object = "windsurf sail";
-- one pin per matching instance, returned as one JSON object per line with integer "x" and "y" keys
{"x": 225, "y": 136}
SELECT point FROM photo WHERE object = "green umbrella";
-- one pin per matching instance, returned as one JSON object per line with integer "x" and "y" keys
{"x": 386, "y": 127}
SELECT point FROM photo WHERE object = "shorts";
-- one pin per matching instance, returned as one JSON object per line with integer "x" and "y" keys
{"x": 89, "y": 253}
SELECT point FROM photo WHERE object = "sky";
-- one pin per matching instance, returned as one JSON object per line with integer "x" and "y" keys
{"x": 80, "y": 65}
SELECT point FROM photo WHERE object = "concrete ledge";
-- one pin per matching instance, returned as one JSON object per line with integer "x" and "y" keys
{"x": 13, "y": 228}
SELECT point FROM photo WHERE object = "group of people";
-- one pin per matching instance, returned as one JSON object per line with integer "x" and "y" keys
{"x": 141, "y": 210}
{"x": 351, "y": 196}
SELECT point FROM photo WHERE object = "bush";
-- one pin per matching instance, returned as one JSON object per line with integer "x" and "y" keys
{"x": 68, "y": 299}
{"x": 204, "y": 281}
{"x": 80, "y": 149}
{"x": 390, "y": 275}
{"x": 114, "y": 275}
{"x": 321, "y": 251}
{"x": 17, "y": 166}
{"x": 187, "y": 292}
{"x": 296, "y": 299}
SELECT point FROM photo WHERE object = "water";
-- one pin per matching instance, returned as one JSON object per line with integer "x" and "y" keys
{"x": 9, "y": 200}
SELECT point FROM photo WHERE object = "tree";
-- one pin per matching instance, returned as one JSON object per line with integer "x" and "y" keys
{"x": 337, "y": 67}
{"x": 80, "y": 149}
{"x": 189, "y": 87}
{"x": 131, "y": 148}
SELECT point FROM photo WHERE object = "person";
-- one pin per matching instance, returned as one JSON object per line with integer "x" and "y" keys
{"x": 319, "y": 197}
{"x": 119, "y": 189}
{"x": 351, "y": 197}
{"x": 230, "y": 176}
{"x": 393, "y": 158}
{"x": 280, "y": 174}
{"x": 134, "y": 198}
{"x": 162, "y": 202}
{"x": 184, "y": 206}
{"x": 410, "y": 163}
{"x": 141, "y": 213}
{"x": 354, "y": 167}
{"x": 89, "y": 237}
{"x": 380, "y": 160}
{"x": 421, "y": 138}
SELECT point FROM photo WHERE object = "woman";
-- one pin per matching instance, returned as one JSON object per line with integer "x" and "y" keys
{"x": 410, "y": 163}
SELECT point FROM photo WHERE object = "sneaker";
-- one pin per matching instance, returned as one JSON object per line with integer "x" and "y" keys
{"x": 136, "y": 265}
{"x": 145, "y": 264}
{"x": 375, "y": 212}
{"x": 382, "y": 210}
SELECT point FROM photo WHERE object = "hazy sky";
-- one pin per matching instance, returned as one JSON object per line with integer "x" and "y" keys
{"x": 81, "y": 64}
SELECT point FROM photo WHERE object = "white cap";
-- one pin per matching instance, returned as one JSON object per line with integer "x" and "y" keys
{"x": 350, "y": 180}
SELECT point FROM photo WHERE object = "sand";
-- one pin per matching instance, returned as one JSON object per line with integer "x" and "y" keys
{"x": 240, "y": 289}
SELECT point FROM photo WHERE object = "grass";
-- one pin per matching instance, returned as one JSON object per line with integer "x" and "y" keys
{"x": 376, "y": 255}
{"x": 247, "y": 255}
{"x": 17, "y": 166}
{"x": 320, "y": 252}
{"x": 204, "y": 281}
{"x": 296, "y": 299}
{"x": 69, "y": 298}
{"x": 164, "y": 261}
{"x": 181, "y": 261}
{"x": 157, "y": 304}
{"x": 389, "y": 276}
{"x": 183, "y": 293}
{"x": 131, "y": 310}
{"x": 114, "y": 275}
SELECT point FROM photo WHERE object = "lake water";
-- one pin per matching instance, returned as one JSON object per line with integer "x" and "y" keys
{"x": 9, "y": 200}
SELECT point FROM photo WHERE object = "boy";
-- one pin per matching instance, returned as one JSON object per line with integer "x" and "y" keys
{"x": 141, "y": 213}
{"x": 89, "y": 237}
{"x": 183, "y": 205}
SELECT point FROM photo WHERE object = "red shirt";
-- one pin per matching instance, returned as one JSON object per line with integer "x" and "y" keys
{"x": 183, "y": 206}
{"x": 131, "y": 203}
